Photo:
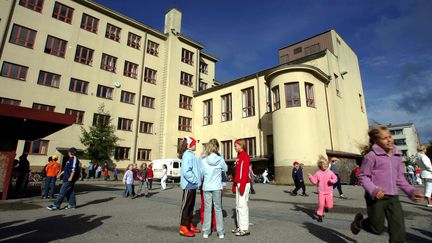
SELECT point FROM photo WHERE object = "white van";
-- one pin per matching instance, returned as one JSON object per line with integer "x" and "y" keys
{"x": 173, "y": 168}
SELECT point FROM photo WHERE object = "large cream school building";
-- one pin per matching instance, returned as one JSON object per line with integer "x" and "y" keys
{"x": 72, "y": 56}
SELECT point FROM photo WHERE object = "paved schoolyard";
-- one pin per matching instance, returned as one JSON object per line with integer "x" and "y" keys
{"x": 103, "y": 215}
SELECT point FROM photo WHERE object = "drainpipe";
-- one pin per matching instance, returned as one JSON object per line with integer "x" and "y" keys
{"x": 8, "y": 23}
{"x": 259, "y": 117}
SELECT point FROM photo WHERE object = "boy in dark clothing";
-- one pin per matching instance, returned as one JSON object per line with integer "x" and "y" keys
{"x": 297, "y": 175}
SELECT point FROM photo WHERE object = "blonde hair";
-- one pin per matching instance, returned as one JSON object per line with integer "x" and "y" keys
{"x": 422, "y": 148}
{"x": 212, "y": 147}
{"x": 373, "y": 134}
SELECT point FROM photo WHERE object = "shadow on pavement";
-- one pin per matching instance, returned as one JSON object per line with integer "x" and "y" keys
{"x": 97, "y": 201}
{"x": 327, "y": 235}
{"x": 51, "y": 228}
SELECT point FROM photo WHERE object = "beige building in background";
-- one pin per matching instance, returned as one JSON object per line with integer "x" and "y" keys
{"x": 73, "y": 56}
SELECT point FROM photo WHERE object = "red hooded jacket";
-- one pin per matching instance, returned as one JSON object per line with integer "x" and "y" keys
{"x": 242, "y": 171}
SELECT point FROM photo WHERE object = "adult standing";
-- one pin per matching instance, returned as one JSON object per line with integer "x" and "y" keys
{"x": 150, "y": 176}
{"x": 23, "y": 170}
{"x": 71, "y": 174}
{"x": 190, "y": 181}
{"x": 335, "y": 168}
{"x": 426, "y": 172}
{"x": 242, "y": 187}
{"x": 51, "y": 171}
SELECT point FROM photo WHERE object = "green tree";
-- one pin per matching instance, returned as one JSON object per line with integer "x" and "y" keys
{"x": 100, "y": 140}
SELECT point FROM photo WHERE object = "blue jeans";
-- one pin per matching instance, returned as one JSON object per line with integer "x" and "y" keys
{"x": 215, "y": 198}
{"x": 49, "y": 186}
{"x": 66, "y": 190}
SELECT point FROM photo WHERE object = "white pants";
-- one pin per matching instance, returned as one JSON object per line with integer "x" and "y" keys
{"x": 428, "y": 188}
{"x": 163, "y": 182}
{"x": 242, "y": 209}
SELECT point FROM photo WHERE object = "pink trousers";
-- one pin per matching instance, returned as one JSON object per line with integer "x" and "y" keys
{"x": 324, "y": 200}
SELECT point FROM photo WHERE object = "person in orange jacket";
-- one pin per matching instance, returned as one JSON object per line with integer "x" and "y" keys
{"x": 242, "y": 187}
{"x": 51, "y": 170}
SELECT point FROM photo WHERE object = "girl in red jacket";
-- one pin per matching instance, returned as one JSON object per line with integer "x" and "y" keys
{"x": 242, "y": 187}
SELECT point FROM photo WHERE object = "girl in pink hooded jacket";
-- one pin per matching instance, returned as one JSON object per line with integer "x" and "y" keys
{"x": 324, "y": 179}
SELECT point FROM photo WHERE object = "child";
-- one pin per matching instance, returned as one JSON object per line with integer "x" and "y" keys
{"x": 324, "y": 179}
{"x": 297, "y": 175}
{"x": 381, "y": 174}
{"x": 128, "y": 181}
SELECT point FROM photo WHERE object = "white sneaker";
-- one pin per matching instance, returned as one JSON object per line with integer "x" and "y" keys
{"x": 205, "y": 236}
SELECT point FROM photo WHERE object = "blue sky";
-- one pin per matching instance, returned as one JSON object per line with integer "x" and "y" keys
{"x": 392, "y": 39}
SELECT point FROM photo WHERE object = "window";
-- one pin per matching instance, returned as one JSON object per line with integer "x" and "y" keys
{"x": 43, "y": 107}
{"x": 49, "y": 79}
{"x": 130, "y": 69}
{"x": 146, "y": 127}
{"x": 124, "y": 124}
{"x": 127, "y": 97}
{"x": 292, "y": 94}
{"x": 203, "y": 68}
{"x": 276, "y": 97}
{"x": 208, "y": 112}
{"x": 104, "y": 92}
{"x": 63, "y": 13}
{"x": 202, "y": 86}
{"x": 100, "y": 119}
{"x": 250, "y": 146}
{"x": 108, "y": 63}
{"x": 113, "y": 32}
{"x": 338, "y": 92}
{"x": 14, "y": 71}
{"x": 134, "y": 40}
{"x": 312, "y": 49}
{"x": 150, "y": 75}
{"x": 310, "y": 98}
{"x": 147, "y": 102}
{"x": 187, "y": 56}
{"x": 400, "y": 142}
{"x": 144, "y": 154}
{"x": 56, "y": 46}
{"x": 78, "y": 86}
{"x": 361, "y": 103}
{"x": 35, "y": 5}
{"x": 268, "y": 99}
{"x": 184, "y": 124}
{"x": 226, "y": 107}
{"x": 89, "y": 23}
{"x": 6, "y": 101}
{"x": 248, "y": 102}
{"x": 297, "y": 50}
{"x": 227, "y": 149}
{"x": 23, "y": 36}
{"x": 36, "y": 147}
{"x": 396, "y": 132}
{"x": 152, "y": 48}
{"x": 185, "y": 102}
{"x": 84, "y": 55}
{"x": 186, "y": 79}
{"x": 121, "y": 153}
{"x": 79, "y": 115}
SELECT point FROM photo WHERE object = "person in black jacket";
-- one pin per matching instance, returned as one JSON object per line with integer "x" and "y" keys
{"x": 297, "y": 175}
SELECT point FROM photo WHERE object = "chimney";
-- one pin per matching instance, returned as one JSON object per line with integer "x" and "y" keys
{"x": 173, "y": 21}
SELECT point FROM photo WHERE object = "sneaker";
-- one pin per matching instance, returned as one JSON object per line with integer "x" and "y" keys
{"x": 205, "y": 236}
{"x": 235, "y": 230}
{"x": 69, "y": 207}
{"x": 356, "y": 224}
{"x": 221, "y": 236}
{"x": 320, "y": 219}
{"x": 342, "y": 196}
{"x": 52, "y": 207}
{"x": 242, "y": 233}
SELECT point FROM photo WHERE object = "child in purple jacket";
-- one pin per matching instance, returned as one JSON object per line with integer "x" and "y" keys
{"x": 381, "y": 175}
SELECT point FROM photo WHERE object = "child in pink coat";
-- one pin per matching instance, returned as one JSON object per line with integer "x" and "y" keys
{"x": 324, "y": 179}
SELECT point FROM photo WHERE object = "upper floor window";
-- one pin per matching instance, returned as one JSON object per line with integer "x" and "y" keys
{"x": 202, "y": 86}
{"x": 227, "y": 149}
{"x": 144, "y": 154}
{"x": 7, "y": 101}
{"x": 248, "y": 102}
{"x": 186, "y": 79}
{"x": 36, "y": 147}
{"x": 292, "y": 94}
{"x": 208, "y": 112}
{"x": 185, "y": 102}
{"x": 55, "y": 46}
{"x": 184, "y": 124}
{"x": 203, "y": 67}
{"x": 78, "y": 86}
{"x": 312, "y": 49}
{"x": 152, "y": 48}
{"x": 250, "y": 147}
{"x": 187, "y": 56}
{"x": 35, "y": 5}
{"x": 104, "y": 92}
{"x": 43, "y": 107}
{"x": 84, "y": 55}
{"x": 23, "y": 36}
{"x": 127, "y": 97}
{"x": 134, "y": 41}
{"x": 100, "y": 119}
{"x": 276, "y": 97}
{"x": 130, "y": 69}
{"x": 124, "y": 124}
{"x": 79, "y": 115}
{"x": 226, "y": 107}
{"x": 268, "y": 99}
{"x": 108, "y": 63}
{"x": 146, "y": 127}
{"x": 63, "y": 12}
{"x": 150, "y": 75}
{"x": 113, "y": 32}
{"x": 49, "y": 79}
{"x": 147, "y": 102}
{"x": 310, "y": 97}
{"x": 14, "y": 71}
{"x": 121, "y": 153}
{"x": 89, "y": 23}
